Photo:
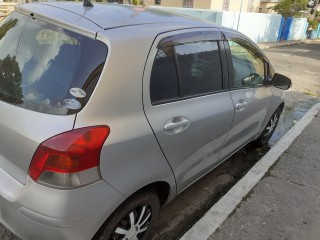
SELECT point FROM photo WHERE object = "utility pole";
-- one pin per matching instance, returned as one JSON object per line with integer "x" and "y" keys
{"x": 239, "y": 15}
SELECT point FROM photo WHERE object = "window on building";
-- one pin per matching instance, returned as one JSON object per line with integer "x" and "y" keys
{"x": 157, "y": 2}
{"x": 250, "y": 6}
{"x": 188, "y": 3}
{"x": 225, "y": 5}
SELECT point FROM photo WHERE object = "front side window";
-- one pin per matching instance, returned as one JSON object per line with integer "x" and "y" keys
{"x": 50, "y": 69}
{"x": 248, "y": 65}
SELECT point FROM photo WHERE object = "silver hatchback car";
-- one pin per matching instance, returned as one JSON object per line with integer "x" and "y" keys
{"x": 108, "y": 112}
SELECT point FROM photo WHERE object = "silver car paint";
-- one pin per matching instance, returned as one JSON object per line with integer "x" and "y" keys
{"x": 60, "y": 17}
{"x": 194, "y": 151}
{"x": 21, "y": 133}
{"x": 126, "y": 16}
{"x": 33, "y": 211}
{"x": 247, "y": 122}
{"x": 131, "y": 148}
{"x": 131, "y": 157}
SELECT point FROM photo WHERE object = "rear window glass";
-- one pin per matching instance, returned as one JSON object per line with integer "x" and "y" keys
{"x": 50, "y": 69}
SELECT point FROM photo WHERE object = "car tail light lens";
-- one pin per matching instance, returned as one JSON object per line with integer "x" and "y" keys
{"x": 70, "y": 159}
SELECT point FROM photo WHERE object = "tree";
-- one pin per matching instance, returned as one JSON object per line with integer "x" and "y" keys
{"x": 10, "y": 80}
{"x": 290, "y": 8}
{"x": 5, "y": 27}
{"x": 137, "y": 2}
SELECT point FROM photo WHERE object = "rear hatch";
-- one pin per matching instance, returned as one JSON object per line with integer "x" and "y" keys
{"x": 47, "y": 75}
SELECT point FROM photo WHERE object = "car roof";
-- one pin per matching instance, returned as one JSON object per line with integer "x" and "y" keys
{"x": 108, "y": 16}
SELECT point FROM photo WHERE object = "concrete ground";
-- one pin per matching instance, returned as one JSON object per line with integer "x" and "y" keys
{"x": 301, "y": 64}
{"x": 285, "y": 204}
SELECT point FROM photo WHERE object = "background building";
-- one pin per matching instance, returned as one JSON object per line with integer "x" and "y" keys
{"x": 265, "y": 4}
{"x": 226, "y": 5}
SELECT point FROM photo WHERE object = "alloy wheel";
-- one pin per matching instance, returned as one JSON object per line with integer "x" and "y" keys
{"x": 270, "y": 127}
{"x": 134, "y": 224}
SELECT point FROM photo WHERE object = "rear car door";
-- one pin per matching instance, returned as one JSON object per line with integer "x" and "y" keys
{"x": 186, "y": 100}
{"x": 250, "y": 95}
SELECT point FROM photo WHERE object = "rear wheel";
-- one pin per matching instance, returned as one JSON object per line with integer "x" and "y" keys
{"x": 133, "y": 220}
{"x": 269, "y": 129}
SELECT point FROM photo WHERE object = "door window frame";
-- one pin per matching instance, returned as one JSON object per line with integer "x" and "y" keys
{"x": 183, "y": 37}
{"x": 229, "y": 36}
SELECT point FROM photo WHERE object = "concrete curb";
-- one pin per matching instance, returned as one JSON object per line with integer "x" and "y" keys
{"x": 265, "y": 46}
{"x": 219, "y": 212}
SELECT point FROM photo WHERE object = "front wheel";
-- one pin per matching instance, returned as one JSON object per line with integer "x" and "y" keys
{"x": 133, "y": 220}
{"x": 269, "y": 129}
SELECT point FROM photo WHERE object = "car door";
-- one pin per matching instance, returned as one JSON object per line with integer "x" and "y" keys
{"x": 250, "y": 95}
{"x": 186, "y": 101}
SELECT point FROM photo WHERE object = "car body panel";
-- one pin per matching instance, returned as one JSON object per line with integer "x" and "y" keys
{"x": 192, "y": 152}
{"x": 126, "y": 15}
{"x": 248, "y": 122}
{"x": 22, "y": 134}
{"x": 124, "y": 156}
{"x": 60, "y": 17}
{"x": 29, "y": 213}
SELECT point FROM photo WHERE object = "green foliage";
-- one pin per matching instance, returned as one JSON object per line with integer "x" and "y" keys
{"x": 290, "y": 8}
{"x": 137, "y": 2}
{"x": 7, "y": 26}
{"x": 10, "y": 80}
{"x": 313, "y": 23}
{"x": 10, "y": 75}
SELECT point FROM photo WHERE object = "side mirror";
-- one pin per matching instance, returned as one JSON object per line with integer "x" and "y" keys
{"x": 282, "y": 82}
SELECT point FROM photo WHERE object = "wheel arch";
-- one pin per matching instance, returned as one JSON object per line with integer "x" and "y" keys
{"x": 161, "y": 189}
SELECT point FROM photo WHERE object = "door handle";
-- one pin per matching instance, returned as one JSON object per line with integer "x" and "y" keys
{"x": 241, "y": 105}
{"x": 176, "y": 125}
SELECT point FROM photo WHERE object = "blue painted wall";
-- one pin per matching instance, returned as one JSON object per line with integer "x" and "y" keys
{"x": 298, "y": 29}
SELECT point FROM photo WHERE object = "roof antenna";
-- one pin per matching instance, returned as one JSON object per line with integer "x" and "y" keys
{"x": 87, "y": 3}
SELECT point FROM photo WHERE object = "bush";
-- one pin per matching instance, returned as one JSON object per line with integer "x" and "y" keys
{"x": 313, "y": 23}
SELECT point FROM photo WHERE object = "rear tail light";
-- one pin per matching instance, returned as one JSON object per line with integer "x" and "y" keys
{"x": 70, "y": 159}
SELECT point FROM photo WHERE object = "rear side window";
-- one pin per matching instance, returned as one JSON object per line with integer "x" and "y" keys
{"x": 183, "y": 70}
{"x": 164, "y": 83}
{"x": 199, "y": 68}
{"x": 50, "y": 70}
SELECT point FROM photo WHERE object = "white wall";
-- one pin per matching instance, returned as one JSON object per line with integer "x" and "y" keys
{"x": 260, "y": 27}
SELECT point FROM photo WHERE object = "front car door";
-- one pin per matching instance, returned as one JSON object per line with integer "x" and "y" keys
{"x": 250, "y": 95}
{"x": 187, "y": 102}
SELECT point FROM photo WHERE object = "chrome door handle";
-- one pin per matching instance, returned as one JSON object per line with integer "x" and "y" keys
{"x": 171, "y": 126}
{"x": 241, "y": 105}
{"x": 176, "y": 125}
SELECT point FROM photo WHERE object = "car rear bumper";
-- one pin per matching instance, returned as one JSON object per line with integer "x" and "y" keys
{"x": 33, "y": 211}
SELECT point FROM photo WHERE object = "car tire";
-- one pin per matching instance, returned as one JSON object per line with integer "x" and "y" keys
{"x": 267, "y": 132}
{"x": 133, "y": 220}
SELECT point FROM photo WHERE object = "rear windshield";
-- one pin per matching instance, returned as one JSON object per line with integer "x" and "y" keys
{"x": 46, "y": 68}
